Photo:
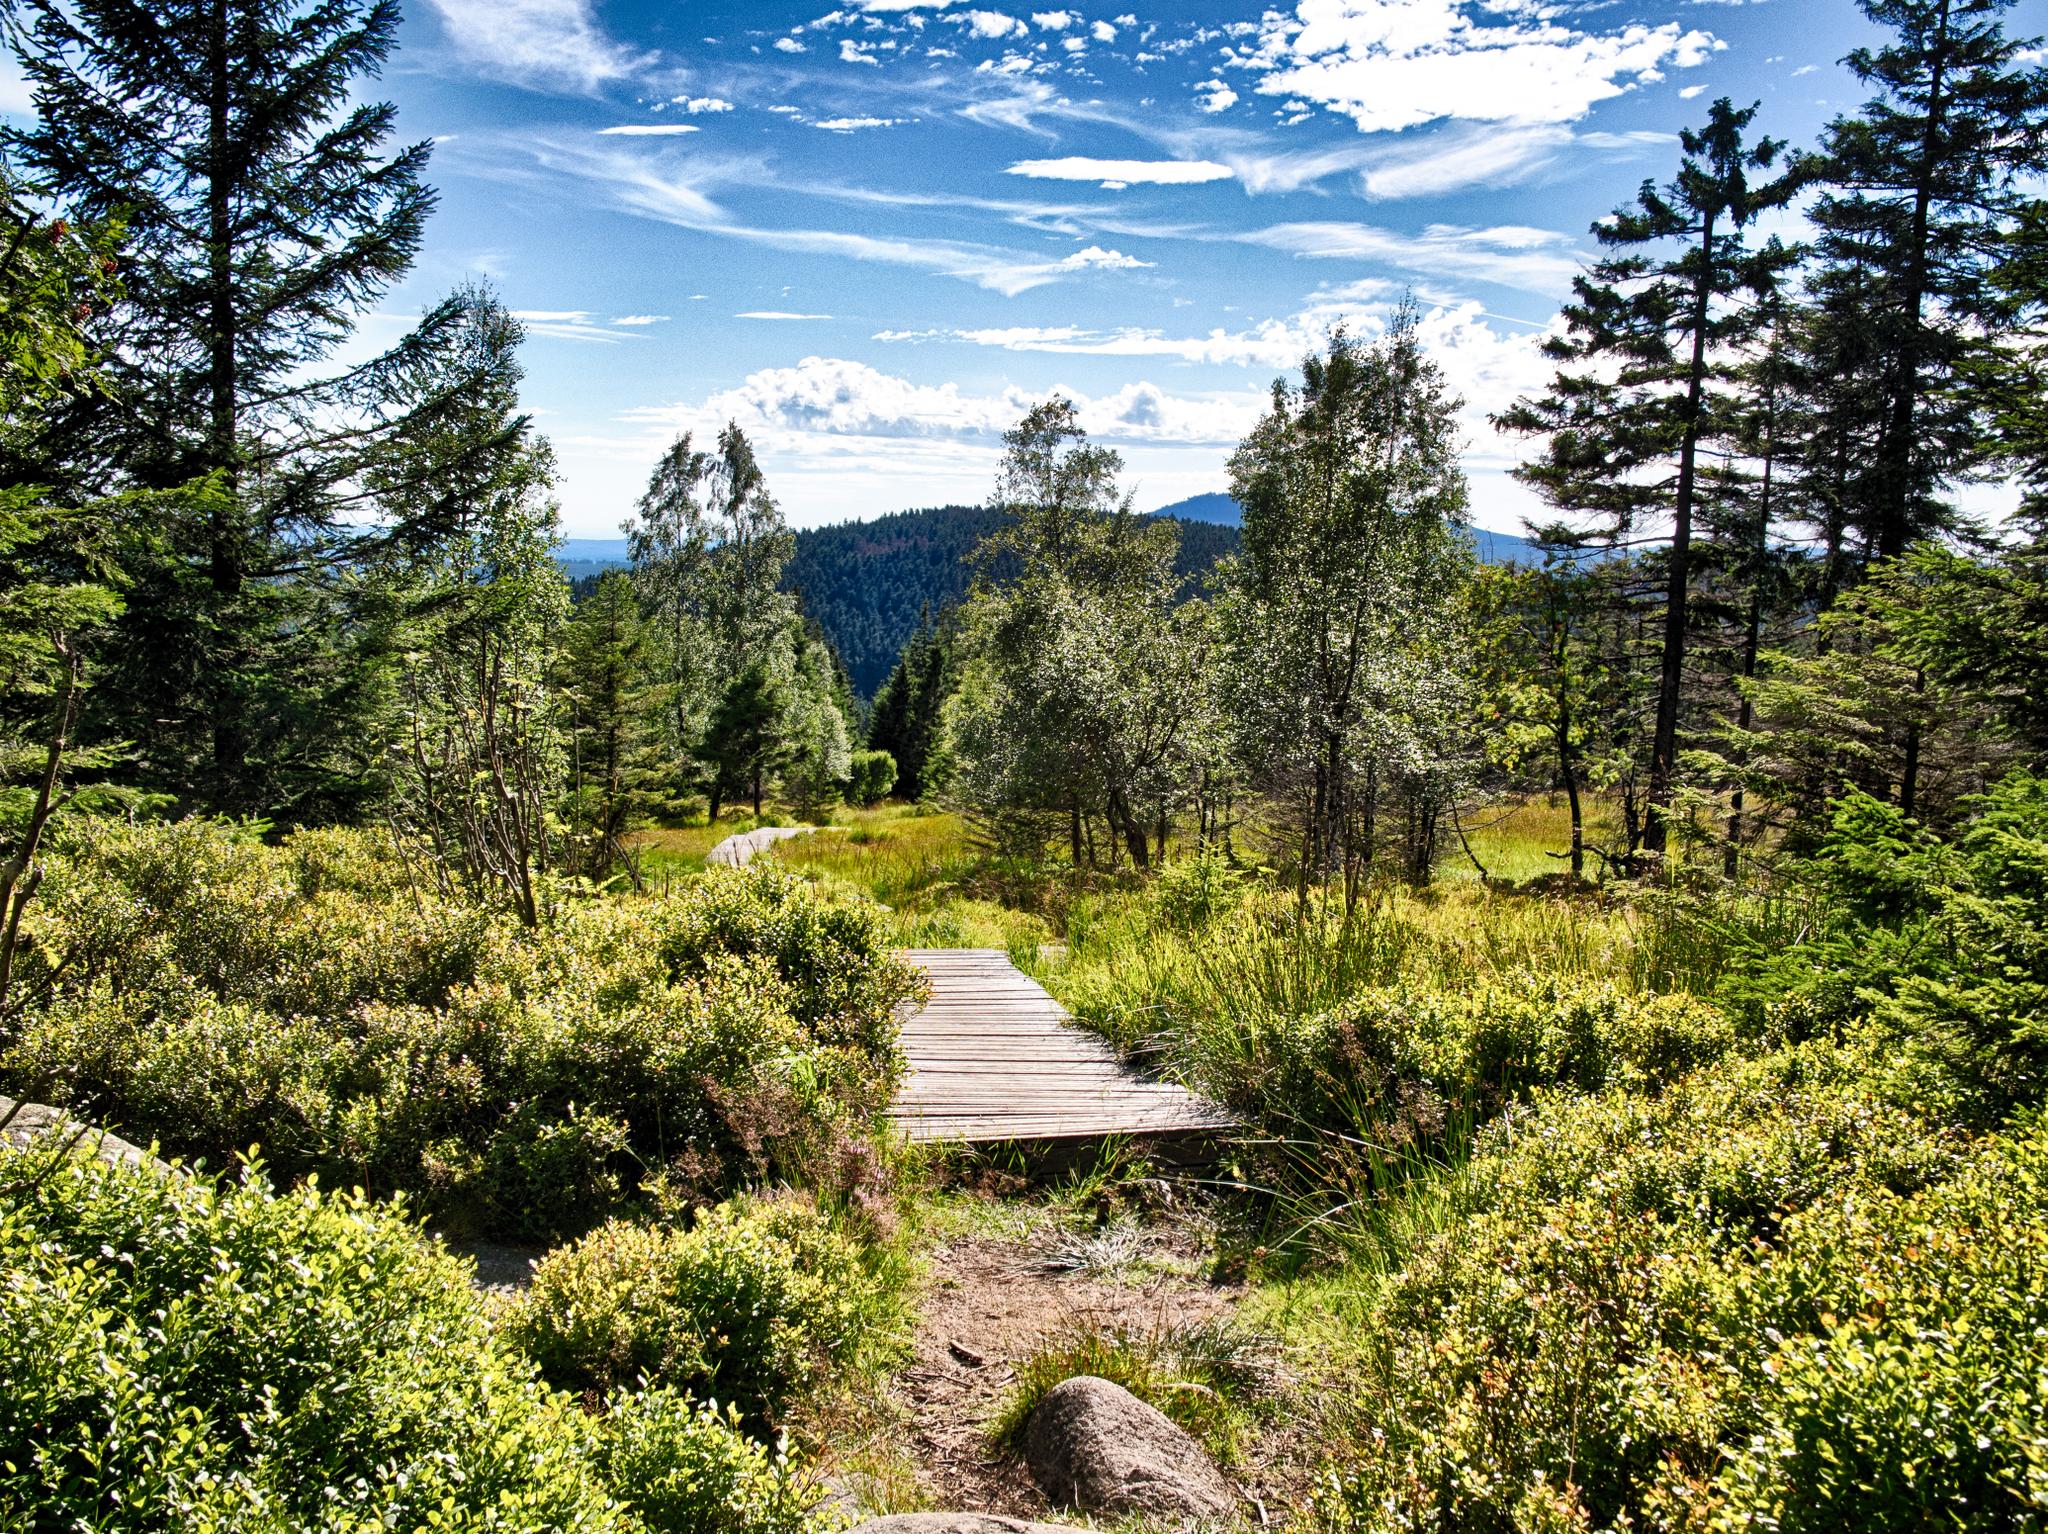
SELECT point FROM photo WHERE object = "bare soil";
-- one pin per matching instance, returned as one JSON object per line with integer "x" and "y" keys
{"x": 990, "y": 1303}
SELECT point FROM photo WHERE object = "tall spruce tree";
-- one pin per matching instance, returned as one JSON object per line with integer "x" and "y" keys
{"x": 619, "y": 773}
{"x": 1919, "y": 188}
{"x": 264, "y": 213}
{"x": 1643, "y": 373}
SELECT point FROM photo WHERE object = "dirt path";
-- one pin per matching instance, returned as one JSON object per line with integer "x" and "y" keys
{"x": 991, "y": 1302}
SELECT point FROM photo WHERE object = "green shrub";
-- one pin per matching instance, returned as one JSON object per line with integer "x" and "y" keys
{"x": 197, "y": 988}
{"x": 870, "y": 775}
{"x": 1631, "y": 1316}
{"x": 688, "y": 1468}
{"x": 745, "y": 1306}
{"x": 177, "y": 1354}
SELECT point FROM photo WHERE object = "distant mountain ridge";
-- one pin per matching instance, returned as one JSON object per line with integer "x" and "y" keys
{"x": 868, "y": 584}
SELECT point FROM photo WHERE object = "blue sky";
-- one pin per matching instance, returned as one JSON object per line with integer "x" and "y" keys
{"x": 874, "y": 234}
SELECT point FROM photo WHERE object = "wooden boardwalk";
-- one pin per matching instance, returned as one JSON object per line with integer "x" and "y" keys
{"x": 993, "y": 1057}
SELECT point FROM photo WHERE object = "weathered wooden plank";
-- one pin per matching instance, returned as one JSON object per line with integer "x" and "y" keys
{"x": 993, "y": 1057}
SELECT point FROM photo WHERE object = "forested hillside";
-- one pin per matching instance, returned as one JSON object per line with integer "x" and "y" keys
{"x": 867, "y": 584}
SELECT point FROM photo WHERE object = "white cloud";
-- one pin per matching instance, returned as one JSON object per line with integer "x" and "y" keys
{"x": 778, "y": 314}
{"x": 990, "y": 24}
{"x": 647, "y": 130}
{"x": 789, "y": 45}
{"x": 854, "y": 124}
{"x": 1449, "y": 159}
{"x": 1214, "y": 96}
{"x": 1390, "y": 66}
{"x": 1116, "y": 173}
{"x": 1103, "y": 32}
{"x": 569, "y": 325}
{"x": 675, "y": 192}
{"x": 1096, "y": 258}
{"x": 640, "y": 319}
{"x": 1053, "y": 21}
{"x": 1807, "y": 69}
{"x": 1534, "y": 260}
{"x": 851, "y": 52}
{"x": 546, "y": 44}
{"x": 832, "y": 397}
{"x": 697, "y": 105}
{"x": 1690, "y": 91}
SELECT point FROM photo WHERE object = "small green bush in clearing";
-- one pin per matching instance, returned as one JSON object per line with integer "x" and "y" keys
{"x": 746, "y": 1306}
{"x": 686, "y": 1467}
{"x": 870, "y": 775}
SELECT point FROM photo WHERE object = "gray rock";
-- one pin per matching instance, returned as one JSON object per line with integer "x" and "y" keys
{"x": 1093, "y": 1445}
{"x": 24, "y": 1124}
{"x": 954, "y": 1523}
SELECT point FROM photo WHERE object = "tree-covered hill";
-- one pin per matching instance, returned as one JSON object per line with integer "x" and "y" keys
{"x": 867, "y": 583}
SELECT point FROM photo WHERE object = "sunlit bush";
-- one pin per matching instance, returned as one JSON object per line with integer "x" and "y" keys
{"x": 745, "y": 1306}
{"x": 193, "y": 986}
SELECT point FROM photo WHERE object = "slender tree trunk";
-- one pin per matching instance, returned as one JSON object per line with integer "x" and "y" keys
{"x": 1671, "y": 670}
{"x": 1894, "y": 527}
{"x": 225, "y": 564}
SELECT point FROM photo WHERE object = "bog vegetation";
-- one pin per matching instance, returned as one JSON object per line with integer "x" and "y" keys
{"x": 1630, "y": 966}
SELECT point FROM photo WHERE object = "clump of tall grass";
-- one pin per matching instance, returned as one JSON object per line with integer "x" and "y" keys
{"x": 1205, "y": 1375}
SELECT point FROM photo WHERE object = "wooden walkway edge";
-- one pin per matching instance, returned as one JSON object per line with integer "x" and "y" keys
{"x": 993, "y": 1057}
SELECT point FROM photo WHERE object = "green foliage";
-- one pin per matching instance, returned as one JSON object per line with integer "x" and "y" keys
{"x": 870, "y": 775}
{"x": 620, "y": 773}
{"x": 1208, "y": 1376}
{"x": 684, "y": 1468}
{"x": 210, "y": 992}
{"x": 180, "y": 1354}
{"x": 747, "y": 1306}
{"x": 1613, "y": 1309}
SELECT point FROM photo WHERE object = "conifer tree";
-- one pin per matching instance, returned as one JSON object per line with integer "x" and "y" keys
{"x": 1919, "y": 187}
{"x": 619, "y": 773}
{"x": 746, "y": 742}
{"x": 1643, "y": 369}
{"x": 264, "y": 213}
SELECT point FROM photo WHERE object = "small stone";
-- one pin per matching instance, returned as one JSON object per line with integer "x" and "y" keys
{"x": 966, "y": 1355}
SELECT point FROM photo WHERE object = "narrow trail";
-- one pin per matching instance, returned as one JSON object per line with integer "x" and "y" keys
{"x": 993, "y": 1058}
{"x": 739, "y": 849}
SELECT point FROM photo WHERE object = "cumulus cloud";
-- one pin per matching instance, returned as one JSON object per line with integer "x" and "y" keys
{"x": 990, "y": 24}
{"x": 544, "y": 44}
{"x": 789, "y": 45}
{"x": 851, "y": 52}
{"x": 1119, "y": 173}
{"x": 697, "y": 105}
{"x": 1053, "y": 21}
{"x": 1214, "y": 96}
{"x": 1095, "y": 257}
{"x": 1103, "y": 32}
{"x": 1395, "y": 66}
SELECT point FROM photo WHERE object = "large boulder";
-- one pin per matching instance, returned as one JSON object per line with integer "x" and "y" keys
{"x": 26, "y": 1124}
{"x": 954, "y": 1523}
{"x": 1093, "y": 1445}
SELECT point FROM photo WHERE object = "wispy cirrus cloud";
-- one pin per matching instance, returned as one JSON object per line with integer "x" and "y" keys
{"x": 572, "y": 325}
{"x": 1115, "y": 174}
{"x": 542, "y": 44}
{"x": 647, "y": 130}
{"x": 679, "y": 192}
{"x": 778, "y": 314}
{"x": 1533, "y": 260}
